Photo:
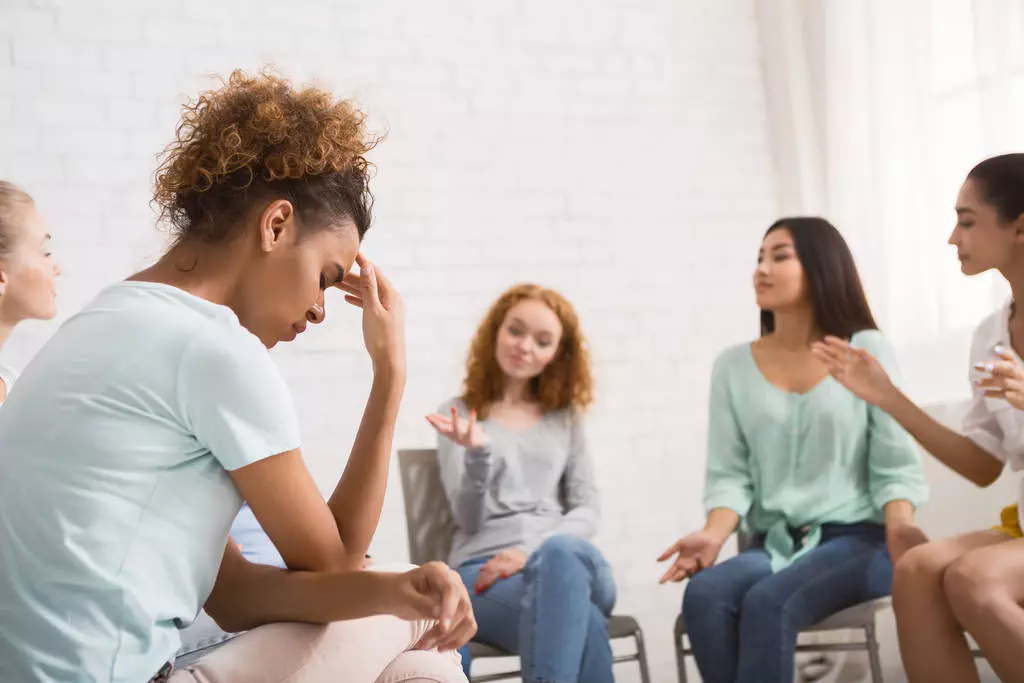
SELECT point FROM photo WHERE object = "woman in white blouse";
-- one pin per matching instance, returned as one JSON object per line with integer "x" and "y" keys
{"x": 28, "y": 272}
{"x": 973, "y": 582}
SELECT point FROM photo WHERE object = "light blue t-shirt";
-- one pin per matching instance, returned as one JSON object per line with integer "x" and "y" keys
{"x": 115, "y": 500}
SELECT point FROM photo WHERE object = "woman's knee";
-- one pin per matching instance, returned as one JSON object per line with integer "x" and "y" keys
{"x": 922, "y": 567}
{"x": 763, "y": 604}
{"x": 703, "y": 594}
{"x": 424, "y": 666}
{"x": 972, "y": 584}
{"x": 565, "y": 544}
{"x": 561, "y": 552}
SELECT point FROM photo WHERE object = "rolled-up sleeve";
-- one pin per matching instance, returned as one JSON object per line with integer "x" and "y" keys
{"x": 464, "y": 474}
{"x": 727, "y": 483}
{"x": 894, "y": 459}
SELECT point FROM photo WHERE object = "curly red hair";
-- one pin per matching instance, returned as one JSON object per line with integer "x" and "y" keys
{"x": 565, "y": 383}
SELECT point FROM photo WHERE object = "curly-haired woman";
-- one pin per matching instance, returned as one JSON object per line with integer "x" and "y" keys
{"x": 138, "y": 430}
{"x": 515, "y": 466}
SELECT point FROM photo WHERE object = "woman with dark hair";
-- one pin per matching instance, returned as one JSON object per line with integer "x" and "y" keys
{"x": 822, "y": 480}
{"x": 973, "y": 582}
{"x": 146, "y": 420}
{"x": 515, "y": 465}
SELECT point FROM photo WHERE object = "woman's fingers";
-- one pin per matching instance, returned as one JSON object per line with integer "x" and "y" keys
{"x": 670, "y": 551}
{"x": 442, "y": 425}
{"x": 682, "y": 568}
{"x": 1001, "y": 368}
{"x": 488, "y": 575}
{"x": 354, "y": 287}
{"x": 459, "y": 636}
{"x": 836, "y": 343}
{"x": 830, "y": 356}
{"x": 463, "y": 624}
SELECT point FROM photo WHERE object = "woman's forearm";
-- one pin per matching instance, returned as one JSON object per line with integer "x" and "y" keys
{"x": 247, "y": 595}
{"x": 359, "y": 497}
{"x": 898, "y": 512}
{"x": 469, "y": 509}
{"x": 722, "y": 522}
{"x": 951, "y": 448}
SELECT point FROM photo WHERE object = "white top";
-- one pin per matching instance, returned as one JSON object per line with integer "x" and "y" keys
{"x": 7, "y": 376}
{"x": 992, "y": 423}
{"x": 115, "y": 498}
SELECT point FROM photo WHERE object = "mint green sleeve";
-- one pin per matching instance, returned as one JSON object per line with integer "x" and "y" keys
{"x": 894, "y": 460}
{"x": 727, "y": 482}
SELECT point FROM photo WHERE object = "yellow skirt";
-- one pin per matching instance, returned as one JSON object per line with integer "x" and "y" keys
{"x": 1009, "y": 522}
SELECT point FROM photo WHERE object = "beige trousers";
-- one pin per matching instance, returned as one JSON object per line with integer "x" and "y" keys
{"x": 372, "y": 650}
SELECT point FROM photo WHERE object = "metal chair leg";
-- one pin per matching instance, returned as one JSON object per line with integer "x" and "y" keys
{"x": 874, "y": 660}
{"x": 641, "y": 656}
{"x": 680, "y": 654}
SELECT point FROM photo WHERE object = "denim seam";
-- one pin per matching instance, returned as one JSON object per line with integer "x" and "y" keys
{"x": 785, "y": 605}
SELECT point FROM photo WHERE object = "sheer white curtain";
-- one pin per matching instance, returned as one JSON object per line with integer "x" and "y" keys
{"x": 878, "y": 109}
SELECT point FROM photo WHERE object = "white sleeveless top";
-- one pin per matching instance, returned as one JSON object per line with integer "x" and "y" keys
{"x": 7, "y": 376}
{"x": 991, "y": 423}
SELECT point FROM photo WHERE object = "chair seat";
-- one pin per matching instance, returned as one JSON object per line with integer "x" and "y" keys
{"x": 854, "y": 617}
{"x": 858, "y": 616}
{"x": 618, "y": 627}
{"x": 622, "y": 627}
{"x": 482, "y": 650}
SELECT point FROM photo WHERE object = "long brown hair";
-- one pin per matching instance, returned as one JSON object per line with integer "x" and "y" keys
{"x": 837, "y": 295}
{"x": 565, "y": 383}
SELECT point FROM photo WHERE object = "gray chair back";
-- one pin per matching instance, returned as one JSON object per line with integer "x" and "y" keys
{"x": 428, "y": 518}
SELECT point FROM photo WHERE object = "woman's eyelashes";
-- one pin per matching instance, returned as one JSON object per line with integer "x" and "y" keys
{"x": 324, "y": 284}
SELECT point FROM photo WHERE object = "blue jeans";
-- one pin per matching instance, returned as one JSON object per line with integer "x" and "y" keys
{"x": 743, "y": 620}
{"x": 553, "y": 614}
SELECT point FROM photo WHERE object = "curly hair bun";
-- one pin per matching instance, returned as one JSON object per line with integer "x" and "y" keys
{"x": 257, "y": 137}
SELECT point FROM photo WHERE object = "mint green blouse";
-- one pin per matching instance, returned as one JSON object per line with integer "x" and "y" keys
{"x": 788, "y": 463}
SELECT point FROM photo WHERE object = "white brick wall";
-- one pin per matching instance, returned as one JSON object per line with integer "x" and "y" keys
{"x": 616, "y": 150}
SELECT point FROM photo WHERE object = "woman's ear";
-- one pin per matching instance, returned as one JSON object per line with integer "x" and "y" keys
{"x": 275, "y": 222}
{"x": 1018, "y": 227}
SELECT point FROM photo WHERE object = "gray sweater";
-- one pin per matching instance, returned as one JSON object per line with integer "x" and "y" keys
{"x": 523, "y": 487}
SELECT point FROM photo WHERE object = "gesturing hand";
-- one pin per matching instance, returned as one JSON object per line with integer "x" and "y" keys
{"x": 466, "y": 433}
{"x": 694, "y": 553}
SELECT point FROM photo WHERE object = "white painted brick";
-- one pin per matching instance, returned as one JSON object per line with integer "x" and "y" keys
{"x": 179, "y": 34}
{"x": 113, "y": 28}
{"x": 27, "y": 169}
{"x": 84, "y": 140}
{"x": 20, "y": 80}
{"x": 81, "y": 82}
{"x": 30, "y": 51}
{"x": 27, "y": 22}
{"x": 16, "y": 140}
{"x": 58, "y": 111}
